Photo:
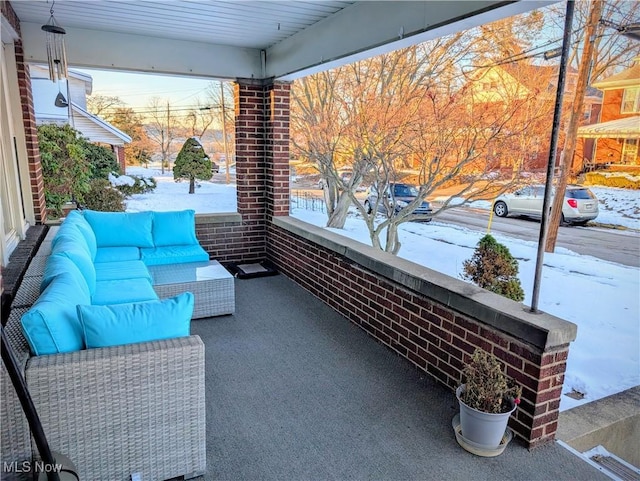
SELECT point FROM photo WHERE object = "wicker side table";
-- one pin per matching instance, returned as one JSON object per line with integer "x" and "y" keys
{"x": 210, "y": 283}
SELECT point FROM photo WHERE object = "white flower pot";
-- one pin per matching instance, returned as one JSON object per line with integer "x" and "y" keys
{"x": 483, "y": 429}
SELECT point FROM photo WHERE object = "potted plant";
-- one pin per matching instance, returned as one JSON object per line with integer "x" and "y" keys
{"x": 487, "y": 399}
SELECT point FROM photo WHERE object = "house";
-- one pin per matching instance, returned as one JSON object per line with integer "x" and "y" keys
{"x": 534, "y": 86}
{"x": 617, "y": 133}
{"x": 65, "y": 102}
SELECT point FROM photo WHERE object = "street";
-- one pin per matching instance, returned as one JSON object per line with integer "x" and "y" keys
{"x": 620, "y": 246}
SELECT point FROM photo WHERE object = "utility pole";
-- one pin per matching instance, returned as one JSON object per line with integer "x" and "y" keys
{"x": 168, "y": 138}
{"x": 557, "y": 114}
{"x": 569, "y": 149}
{"x": 224, "y": 134}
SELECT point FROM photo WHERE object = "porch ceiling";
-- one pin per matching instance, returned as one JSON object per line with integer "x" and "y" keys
{"x": 260, "y": 39}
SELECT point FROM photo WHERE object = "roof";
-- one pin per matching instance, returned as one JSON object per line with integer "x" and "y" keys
{"x": 101, "y": 123}
{"x": 626, "y": 78}
{"x": 626, "y": 128}
{"x": 279, "y": 39}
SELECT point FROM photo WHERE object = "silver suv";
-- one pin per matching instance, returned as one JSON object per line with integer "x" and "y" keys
{"x": 579, "y": 206}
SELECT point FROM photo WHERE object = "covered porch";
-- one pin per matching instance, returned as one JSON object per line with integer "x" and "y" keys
{"x": 426, "y": 324}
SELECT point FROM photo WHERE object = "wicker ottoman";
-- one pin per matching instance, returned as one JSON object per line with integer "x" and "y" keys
{"x": 210, "y": 283}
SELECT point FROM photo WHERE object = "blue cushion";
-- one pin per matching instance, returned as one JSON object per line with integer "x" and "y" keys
{"x": 119, "y": 324}
{"x": 176, "y": 228}
{"x": 58, "y": 264}
{"x": 116, "y": 229}
{"x": 123, "y": 291}
{"x": 76, "y": 219}
{"x": 109, "y": 271}
{"x": 115, "y": 254}
{"x": 173, "y": 255}
{"x": 71, "y": 232}
{"x": 79, "y": 254}
{"x": 51, "y": 325}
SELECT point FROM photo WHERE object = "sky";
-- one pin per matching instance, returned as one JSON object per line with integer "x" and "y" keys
{"x": 137, "y": 89}
{"x": 601, "y": 297}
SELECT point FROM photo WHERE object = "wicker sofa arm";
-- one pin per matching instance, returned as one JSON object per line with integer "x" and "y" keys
{"x": 129, "y": 409}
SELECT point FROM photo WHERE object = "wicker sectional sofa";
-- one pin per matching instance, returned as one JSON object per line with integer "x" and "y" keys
{"x": 116, "y": 403}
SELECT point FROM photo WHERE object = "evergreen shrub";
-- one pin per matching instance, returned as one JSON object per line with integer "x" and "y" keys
{"x": 492, "y": 267}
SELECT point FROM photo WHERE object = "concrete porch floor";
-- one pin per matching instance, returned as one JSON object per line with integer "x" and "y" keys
{"x": 295, "y": 391}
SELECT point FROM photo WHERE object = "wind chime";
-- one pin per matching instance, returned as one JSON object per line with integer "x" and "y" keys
{"x": 56, "y": 54}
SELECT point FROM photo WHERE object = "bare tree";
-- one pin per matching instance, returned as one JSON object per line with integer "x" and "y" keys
{"x": 103, "y": 105}
{"x": 161, "y": 128}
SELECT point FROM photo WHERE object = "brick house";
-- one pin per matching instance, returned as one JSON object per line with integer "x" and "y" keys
{"x": 533, "y": 87}
{"x": 617, "y": 134}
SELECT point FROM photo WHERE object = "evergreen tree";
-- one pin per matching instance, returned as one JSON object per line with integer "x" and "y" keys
{"x": 492, "y": 267}
{"x": 192, "y": 163}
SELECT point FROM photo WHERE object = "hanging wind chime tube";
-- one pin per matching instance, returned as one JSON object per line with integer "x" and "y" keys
{"x": 56, "y": 54}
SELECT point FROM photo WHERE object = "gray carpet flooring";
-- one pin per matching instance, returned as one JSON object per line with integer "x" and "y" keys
{"x": 294, "y": 391}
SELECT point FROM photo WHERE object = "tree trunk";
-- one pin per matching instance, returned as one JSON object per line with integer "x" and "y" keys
{"x": 393, "y": 242}
{"x": 572, "y": 130}
{"x": 192, "y": 185}
{"x": 338, "y": 217}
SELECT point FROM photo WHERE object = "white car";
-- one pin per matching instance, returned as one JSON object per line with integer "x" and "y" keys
{"x": 579, "y": 207}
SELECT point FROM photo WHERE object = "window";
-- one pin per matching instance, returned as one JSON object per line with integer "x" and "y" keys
{"x": 630, "y": 101}
{"x": 629, "y": 151}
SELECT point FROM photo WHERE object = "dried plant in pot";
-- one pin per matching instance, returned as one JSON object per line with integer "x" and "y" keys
{"x": 487, "y": 399}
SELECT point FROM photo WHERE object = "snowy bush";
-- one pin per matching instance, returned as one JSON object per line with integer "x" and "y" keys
{"x": 132, "y": 184}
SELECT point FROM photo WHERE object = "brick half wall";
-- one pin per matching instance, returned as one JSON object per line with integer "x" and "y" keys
{"x": 432, "y": 320}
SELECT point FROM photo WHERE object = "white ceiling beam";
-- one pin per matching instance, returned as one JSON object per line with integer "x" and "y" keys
{"x": 366, "y": 29}
{"x": 127, "y": 52}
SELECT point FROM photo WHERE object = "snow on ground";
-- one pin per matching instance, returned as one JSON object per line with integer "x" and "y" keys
{"x": 601, "y": 297}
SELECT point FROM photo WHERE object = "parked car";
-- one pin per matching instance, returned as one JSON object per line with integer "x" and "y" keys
{"x": 399, "y": 196}
{"x": 579, "y": 207}
{"x": 215, "y": 168}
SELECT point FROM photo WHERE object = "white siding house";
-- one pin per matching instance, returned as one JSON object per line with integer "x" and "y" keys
{"x": 66, "y": 102}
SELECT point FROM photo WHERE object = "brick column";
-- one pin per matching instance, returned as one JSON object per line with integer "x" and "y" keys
{"x": 29, "y": 121}
{"x": 277, "y": 148}
{"x": 118, "y": 150}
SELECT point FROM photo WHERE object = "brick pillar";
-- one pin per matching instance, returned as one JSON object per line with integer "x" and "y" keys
{"x": 29, "y": 121}
{"x": 122, "y": 162}
{"x": 277, "y": 148}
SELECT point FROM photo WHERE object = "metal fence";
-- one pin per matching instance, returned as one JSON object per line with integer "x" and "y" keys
{"x": 305, "y": 200}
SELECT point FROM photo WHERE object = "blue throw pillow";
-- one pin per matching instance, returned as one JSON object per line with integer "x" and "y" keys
{"x": 175, "y": 228}
{"x": 117, "y": 229}
{"x": 120, "y": 324}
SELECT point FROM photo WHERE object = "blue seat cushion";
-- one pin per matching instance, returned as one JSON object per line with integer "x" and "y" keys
{"x": 117, "y": 270}
{"x": 118, "y": 229}
{"x": 51, "y": 325}
{"x": 173, "y": 255}
{"x": 120, "y": 324}
{"x": 115, "y": 254}
{"x": 123, "y": 291}
{"x": 174, "y": 228}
